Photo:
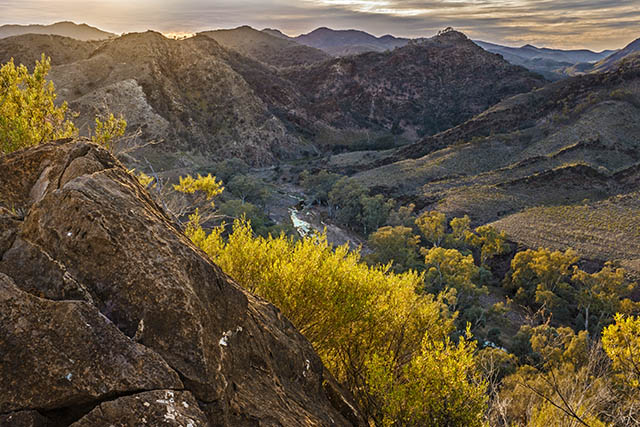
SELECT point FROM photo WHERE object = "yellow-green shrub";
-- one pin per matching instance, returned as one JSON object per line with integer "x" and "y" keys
{"x": 370, "y": 326}
{"x": 621, "y": 342}
{"x": 28, "y": 114}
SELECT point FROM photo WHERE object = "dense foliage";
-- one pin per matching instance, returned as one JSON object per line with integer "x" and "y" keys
{"x": 28, "y": 113}
{"x": 389, "y": 344}
{"x": 551, "y": 280}
{"x": 621, "y": 341}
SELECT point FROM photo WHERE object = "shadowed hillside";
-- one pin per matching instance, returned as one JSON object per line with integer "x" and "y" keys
{"x": 420, "y": 89}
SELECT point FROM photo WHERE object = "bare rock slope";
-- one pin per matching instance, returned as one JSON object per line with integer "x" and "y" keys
{"x": 110, "y": 316}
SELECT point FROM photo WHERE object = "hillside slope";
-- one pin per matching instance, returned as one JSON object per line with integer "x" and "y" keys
{"x": 611, "y": 62}
{"x": 603, "y": 230}
{"x": 184, "y": 91}
{"x": 133, "y": 323}
{"x": 571, "y": 143}
{"x": 28, "y": 48}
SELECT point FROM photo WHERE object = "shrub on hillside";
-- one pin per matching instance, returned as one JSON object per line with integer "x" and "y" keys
{"x": 28, "y": 113}
{"x": 388, "y": 344}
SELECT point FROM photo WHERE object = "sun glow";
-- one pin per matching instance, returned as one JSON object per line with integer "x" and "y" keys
{"x": 178, "y": 35}
{"x": 375, "y": 6}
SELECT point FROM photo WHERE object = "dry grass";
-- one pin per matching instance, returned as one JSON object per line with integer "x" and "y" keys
{"x": 609, "y": 229}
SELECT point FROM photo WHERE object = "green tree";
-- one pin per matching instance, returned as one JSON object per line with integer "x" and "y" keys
{"x": 28, "y": 114}
{"x": 603, "y": 294}
{"x": 227, "y": 169}
{"x": 260, "y": 223}
{"x": 432, "y": 225}
{"x": 394, "y": 244}
{"x": 248, "y": 189}
{"x": 344, "y": 200}
{"x": 543, "y": 277}
{"x": 490, "y": 241}
{"x": 404, "y": 216}
{"x": 374, "y": 212}
{"x": 318, "y": 185}
{"x": 449, "y": 269}
{"x": 460, "y": 230}
{"x": 495, "y": 364}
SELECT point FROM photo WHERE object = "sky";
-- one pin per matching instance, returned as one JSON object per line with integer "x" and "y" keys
{"x": 592, "y": 24}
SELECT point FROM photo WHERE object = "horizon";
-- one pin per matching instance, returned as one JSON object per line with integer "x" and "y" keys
{"x": 180, "y": 34}
{"x": 589, "y": 24}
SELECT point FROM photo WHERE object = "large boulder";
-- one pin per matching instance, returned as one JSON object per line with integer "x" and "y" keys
{"x": 105, "y": 305}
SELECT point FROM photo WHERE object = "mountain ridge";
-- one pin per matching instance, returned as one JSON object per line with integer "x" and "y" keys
{"x": 611, "y": 62}
{"x": 343, "y": 42}
{"x": 70, "y": 29}
{"x": 210, "y": 99}
{"x": 264, "y": 47}
{"x": 552, "y": 63}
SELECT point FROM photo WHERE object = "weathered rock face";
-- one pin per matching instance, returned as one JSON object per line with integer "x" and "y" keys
{"x": 110, "y": 316}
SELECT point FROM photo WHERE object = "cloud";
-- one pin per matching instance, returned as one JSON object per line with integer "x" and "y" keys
{"x": 595, "y": 24}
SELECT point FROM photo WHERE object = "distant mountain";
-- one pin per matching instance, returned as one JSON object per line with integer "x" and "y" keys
{"x": 82, "y": 32}
{"x": 549, "y": 62}
{"x": 612, "y": 62}
{"x": 267, "y": 48}
{"x": 348, "y": 42}
{"x": 532, "y": 52}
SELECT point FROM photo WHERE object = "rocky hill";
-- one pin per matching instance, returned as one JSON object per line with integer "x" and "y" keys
{"x": 110, "y": 316}
{"x": 66, "y": 29}
{"x": 266, "y": 48}
{"x": 572, "y": 143}
{"x": 184, "y": 93}
{"x": 416, "y": 90}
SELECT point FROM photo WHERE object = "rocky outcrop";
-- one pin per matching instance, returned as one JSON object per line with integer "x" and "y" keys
{"x": 110, "y": 316}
